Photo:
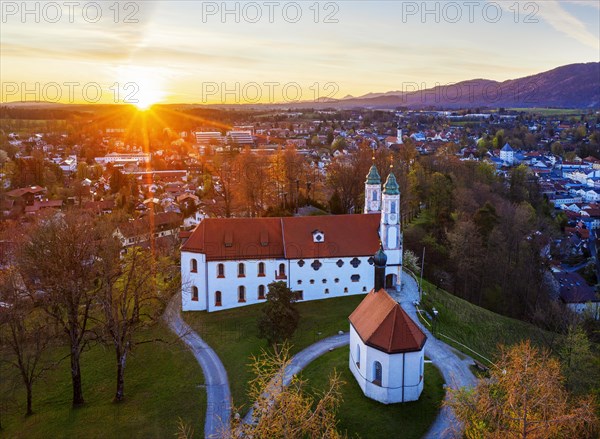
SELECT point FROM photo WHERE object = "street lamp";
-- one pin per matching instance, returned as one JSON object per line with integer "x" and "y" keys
{"x": 297, "y": 194}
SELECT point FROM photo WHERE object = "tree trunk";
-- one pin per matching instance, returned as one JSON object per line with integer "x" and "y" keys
{"x": 76, "y": 378}
{"x": 120, "y": 394}
{"x": 29, "y": 399}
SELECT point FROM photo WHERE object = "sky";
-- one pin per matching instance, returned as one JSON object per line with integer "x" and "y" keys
{"x": 279, "y": 51}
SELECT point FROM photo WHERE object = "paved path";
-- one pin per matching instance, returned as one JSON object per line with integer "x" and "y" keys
{"x": 218, "y": 405}
{"x": 456, "y": 372}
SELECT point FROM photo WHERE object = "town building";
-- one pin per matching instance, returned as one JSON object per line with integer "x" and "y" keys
{"x": 507, "y": 155}
{"x": 115, "y": 157}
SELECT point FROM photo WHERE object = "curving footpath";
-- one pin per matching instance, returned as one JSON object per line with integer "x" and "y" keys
{"x": 456, "y": 372}
{"x": 218, "y": 410}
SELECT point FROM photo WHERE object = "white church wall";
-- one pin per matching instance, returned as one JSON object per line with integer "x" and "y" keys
{"x": 190, "y": 279}
{"x": 329, "y": 280}
{"x": 393, "y": 366}
{"x": 358, "y": 370}
{"x": 406, "y": 371}
{"x": 229, "y": 284}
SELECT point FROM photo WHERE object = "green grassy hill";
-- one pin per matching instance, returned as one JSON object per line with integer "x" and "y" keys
{"x": 162, "y": 384}
{"x": 476, "y": 327}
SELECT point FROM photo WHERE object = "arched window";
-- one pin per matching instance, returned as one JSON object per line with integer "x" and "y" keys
{"x": 261, "y": 292}
{"x": 217, "y": 298}
{"x": 281, "y": 273}
{"x": 393, "y": 207}
{"x": 241, "y": 270}
{"x": 377, "y": 373}
{"x": 220, "y": 270}
{"x": 326, "y": 290}
{"x": 194, "y": 266}
{"x": 195, "y": 294}
{"x": 241, "y": 293}
{"x": 261, "y": 269}
{"x": 357, "y": 355}
{"x": 374, "y": 196}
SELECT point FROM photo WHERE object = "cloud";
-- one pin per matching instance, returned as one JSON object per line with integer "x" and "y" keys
{"x": 556, "y": 16}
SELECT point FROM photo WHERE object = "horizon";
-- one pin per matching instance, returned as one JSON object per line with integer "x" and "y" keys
{"x": 220, "y": 53}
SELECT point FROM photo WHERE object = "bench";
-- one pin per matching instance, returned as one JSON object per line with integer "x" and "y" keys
{"x": 480, "y": 366}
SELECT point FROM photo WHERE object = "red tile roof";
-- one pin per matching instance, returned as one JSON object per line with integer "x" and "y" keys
{"x": 345, "y": 235}
{"x": 382, "y": 324}
{"x": 237, "y": 238}
{"x": 290, "y": 238}
{"x": 15, "y": 193}
{"x": 150, "y": 223}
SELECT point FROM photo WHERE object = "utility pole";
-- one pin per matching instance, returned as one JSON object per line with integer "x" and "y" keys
{"x": 421, "y": 281}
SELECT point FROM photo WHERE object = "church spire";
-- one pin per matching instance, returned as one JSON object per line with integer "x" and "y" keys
{"x": 373, "y": 190}
{"x": 391, "y": 185}
{"x": 373, "y": 176}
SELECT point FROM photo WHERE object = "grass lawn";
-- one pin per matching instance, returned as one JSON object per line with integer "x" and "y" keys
{"x": 233, "y": 334}
{"x": 161, "y": 384}
{"x": 478, "y": 328}
{"x": 359, "y": 415}
{"x": 551, "y": 111}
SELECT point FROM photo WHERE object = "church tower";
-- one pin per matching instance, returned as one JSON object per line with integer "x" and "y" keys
{"x": 399, "y": 135}
{"x": 373, "y": 191}
{"x": 390, "y": 233}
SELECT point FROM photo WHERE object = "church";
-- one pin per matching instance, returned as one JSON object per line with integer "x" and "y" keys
{"x": 386, "y": 347}
{"x": 228, "y": 262}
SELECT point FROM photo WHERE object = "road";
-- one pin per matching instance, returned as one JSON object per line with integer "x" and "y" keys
{"x": 218, "y": 395}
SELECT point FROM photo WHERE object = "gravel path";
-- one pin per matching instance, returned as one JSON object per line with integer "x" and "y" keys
{"x": 218, "y": 410}
{"x": 456, "y": 371}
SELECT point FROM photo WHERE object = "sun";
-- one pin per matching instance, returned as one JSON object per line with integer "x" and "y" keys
{"x": 141, "y": 86}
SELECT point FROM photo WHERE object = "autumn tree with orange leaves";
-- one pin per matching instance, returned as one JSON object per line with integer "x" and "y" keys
{"x": 283, "y": 407}
{"x": 524, "y": 398}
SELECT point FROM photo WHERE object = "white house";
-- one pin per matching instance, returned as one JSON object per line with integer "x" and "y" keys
{"x": 229, "y": 262}
{"x": 507, "y": 155}
{"x": 386, "y": 346}
{"x": 115, "y": 157}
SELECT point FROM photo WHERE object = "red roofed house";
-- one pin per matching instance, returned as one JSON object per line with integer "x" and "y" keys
{"x": 386, "y": 346}
{"x": 229, "y": 262}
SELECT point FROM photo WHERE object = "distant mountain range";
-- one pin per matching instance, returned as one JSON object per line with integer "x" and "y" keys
{"x": 570, "y": 86}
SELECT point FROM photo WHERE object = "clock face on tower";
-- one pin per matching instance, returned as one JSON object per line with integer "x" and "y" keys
{"x": 392, "y": 217}
{"x": 373, "y": 205}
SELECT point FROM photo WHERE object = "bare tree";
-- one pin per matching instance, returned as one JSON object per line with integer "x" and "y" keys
{"x": 133, "y": 291}
{"x": 59, "y": 267}
{"x": 26, "y": 332}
